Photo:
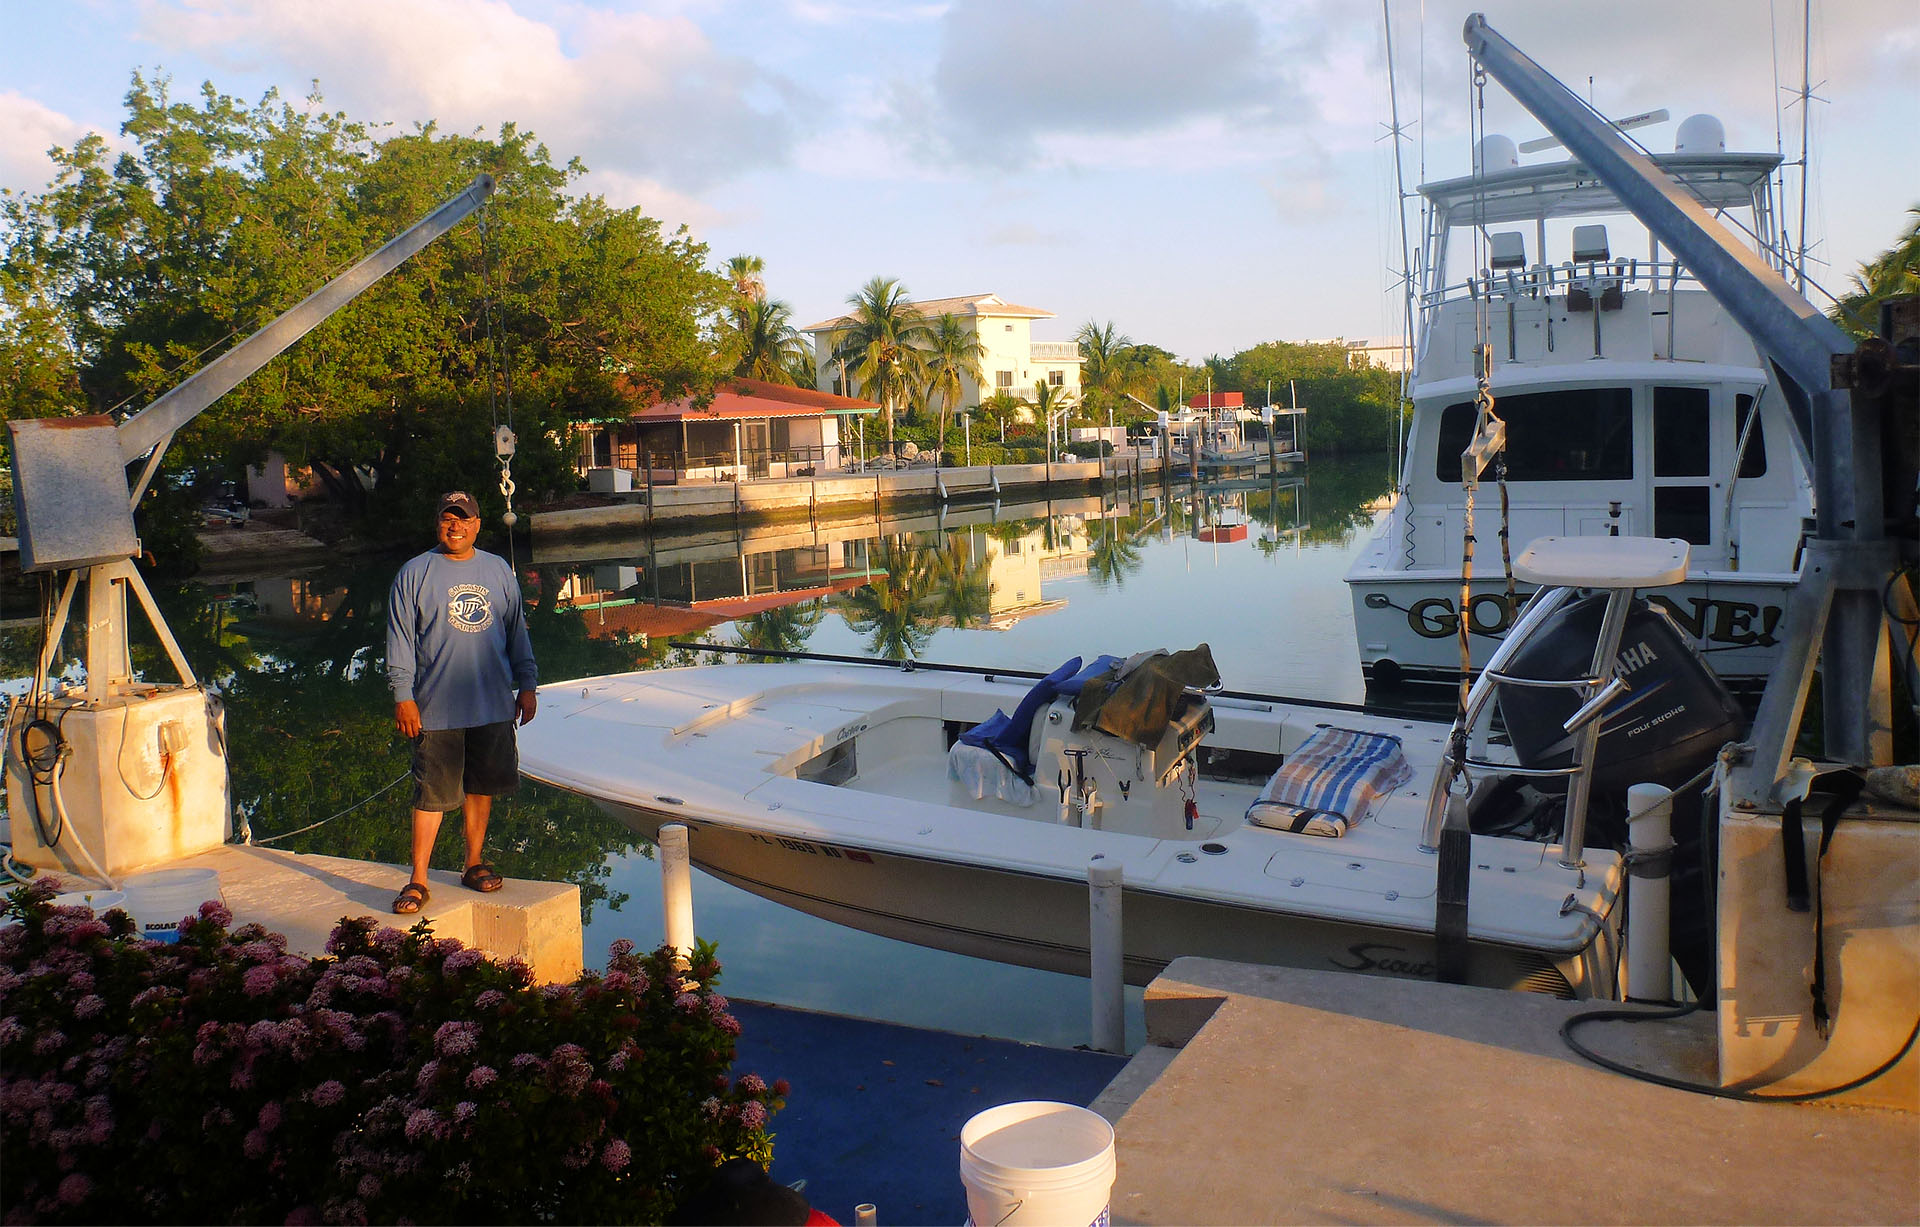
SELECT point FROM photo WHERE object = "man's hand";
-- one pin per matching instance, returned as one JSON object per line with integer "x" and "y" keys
{"x": 527, "y": 703}
{"x": 406, "y": 718}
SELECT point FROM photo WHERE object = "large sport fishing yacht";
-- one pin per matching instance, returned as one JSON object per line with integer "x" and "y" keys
{"x": 1632, "y": 403}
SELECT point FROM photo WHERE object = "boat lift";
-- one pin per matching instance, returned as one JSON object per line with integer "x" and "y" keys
{"x": 143, "y": 764}
{"x": 1843, "y": 398}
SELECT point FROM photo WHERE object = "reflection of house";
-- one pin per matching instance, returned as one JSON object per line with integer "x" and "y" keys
{"x": 295, "y": 602}
{"x": 1013, "y": 362}
{"x": 1017, "y": 568}
{"x": 690, "y": 598}
{"x": 750, "y": 429}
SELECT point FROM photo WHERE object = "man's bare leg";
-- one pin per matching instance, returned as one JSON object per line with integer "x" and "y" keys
{"x": 474, "y": 812}
{"x": 426, "y": 828}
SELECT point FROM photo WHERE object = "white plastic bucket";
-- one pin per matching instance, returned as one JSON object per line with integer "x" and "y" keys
{"x": 101, "y": 901}
{"x": 158, "y": 900}
{"x": 1037, "y": 1162}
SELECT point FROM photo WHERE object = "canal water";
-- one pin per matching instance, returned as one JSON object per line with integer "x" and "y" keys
{"x": 1251, "y": 567}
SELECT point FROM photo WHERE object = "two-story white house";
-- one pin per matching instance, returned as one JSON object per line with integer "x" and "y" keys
{"x": 1013, "y": 363}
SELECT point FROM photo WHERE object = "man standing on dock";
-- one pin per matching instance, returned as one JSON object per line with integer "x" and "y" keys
{"x": 461, "y": 667}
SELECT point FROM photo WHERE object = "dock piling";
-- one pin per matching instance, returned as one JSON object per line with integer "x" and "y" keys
{"x": 676, "y": 883}
{"x": 1649, "y": 895}
{"x": 1105, "y": 946}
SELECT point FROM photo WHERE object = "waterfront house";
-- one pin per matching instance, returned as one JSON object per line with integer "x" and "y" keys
{"x": 1013, "y": 363}
{"x": 750, "y": 428}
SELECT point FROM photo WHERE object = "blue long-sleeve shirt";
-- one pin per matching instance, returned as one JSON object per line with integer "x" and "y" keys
{"x": 457, "y": 640}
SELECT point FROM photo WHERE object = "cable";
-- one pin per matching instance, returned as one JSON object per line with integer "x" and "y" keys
{"x": 330, "y": 817}
{"x": 1701, "y": 1088}
{"x": 1568, "y": 1027}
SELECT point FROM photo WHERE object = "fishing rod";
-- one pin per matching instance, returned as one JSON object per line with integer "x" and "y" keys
{"x": 912, "y": 666}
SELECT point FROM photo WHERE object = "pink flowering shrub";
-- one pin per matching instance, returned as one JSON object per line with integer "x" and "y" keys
{"x": 402, "y": 1077}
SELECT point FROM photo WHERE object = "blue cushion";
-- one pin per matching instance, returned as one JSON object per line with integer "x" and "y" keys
{"x": 1078, "y": 682}
{"x": 1007, "y": 735}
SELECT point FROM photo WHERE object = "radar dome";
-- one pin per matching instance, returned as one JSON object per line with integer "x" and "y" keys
{"x": 1700, "y": 134}
{"x": 1495, "y": 153}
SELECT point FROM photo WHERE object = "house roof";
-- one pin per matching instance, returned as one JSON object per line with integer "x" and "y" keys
{"x": 966, "y": 304}
{"x": 736, "y": 399}
{"x": 672, "y": 621}
{"x": 1217, "y": 400}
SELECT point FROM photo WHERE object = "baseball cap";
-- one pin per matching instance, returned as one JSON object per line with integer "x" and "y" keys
{"x": 460, "y": 501}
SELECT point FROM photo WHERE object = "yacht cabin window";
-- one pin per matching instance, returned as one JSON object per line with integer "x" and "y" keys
{"x": 1568, "y": 434}
{"x": 1682, "y": 438}
{"x": 1753, "y": 461}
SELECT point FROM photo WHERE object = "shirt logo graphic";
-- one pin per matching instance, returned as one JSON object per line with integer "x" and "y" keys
{"x": 469, "y": 608}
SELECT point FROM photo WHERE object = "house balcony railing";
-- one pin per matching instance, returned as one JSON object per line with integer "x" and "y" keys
{"x": 1054, "y": 351}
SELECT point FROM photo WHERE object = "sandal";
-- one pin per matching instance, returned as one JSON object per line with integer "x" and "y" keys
{"x": 482, "y": 877}
{"x": 410, "y": 898}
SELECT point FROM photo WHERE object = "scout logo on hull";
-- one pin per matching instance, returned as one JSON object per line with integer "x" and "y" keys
{"x": 469, "y": 608}
{"x": 1740, "y": 624}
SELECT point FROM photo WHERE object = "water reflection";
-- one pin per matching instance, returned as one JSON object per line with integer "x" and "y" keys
{"x": 1253, "y": 567}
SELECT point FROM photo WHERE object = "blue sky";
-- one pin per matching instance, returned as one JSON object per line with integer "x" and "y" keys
{"x": 1207, "y": 175}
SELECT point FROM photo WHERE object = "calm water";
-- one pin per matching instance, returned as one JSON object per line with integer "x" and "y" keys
{"x": 1252, "y": 568}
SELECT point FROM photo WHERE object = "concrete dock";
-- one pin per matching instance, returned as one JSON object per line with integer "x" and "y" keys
{"x": 305, "y": 896}
{"x": 1276, "y": 1095}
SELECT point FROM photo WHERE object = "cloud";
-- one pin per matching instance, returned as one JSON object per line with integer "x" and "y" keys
{"x": 1012, "y": 76}
{"x": 1023, "y": 234}
{"x": 647, "y": 96}
{"x": 27, "y": 130}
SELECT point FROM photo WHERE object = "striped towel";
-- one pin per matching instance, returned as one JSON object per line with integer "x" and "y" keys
{"x": 1331, "y": 783}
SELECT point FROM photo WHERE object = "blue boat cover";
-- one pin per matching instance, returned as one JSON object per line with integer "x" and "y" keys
{"x": 1006, "y": 736}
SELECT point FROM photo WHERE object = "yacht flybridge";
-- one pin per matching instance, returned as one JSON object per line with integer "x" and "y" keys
{"x": 1632, "y": 404}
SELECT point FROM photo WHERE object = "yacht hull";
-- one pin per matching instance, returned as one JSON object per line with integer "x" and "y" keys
{"x": 1407, "y": 623}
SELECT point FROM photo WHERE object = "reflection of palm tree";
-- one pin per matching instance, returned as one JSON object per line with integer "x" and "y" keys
{"x": 785, "y": 629}
{"x": 1116, "y": 551}
{"x": 963, "y": 590}
{"x": 893, "y": 609}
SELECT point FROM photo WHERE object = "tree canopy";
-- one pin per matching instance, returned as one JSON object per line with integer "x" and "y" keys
{"x": 130, "y": 270}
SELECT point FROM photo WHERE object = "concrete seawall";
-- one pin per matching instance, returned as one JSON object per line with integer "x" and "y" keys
{"x": 838, "y": 496}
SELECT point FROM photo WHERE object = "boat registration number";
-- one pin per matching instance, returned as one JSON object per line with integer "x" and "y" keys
{"x": 809, "y": 848}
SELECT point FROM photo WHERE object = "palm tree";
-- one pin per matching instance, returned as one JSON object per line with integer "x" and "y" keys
{"x": 1893, "y": 272}
{"x": 1104, "y": 351}
{"x": 770, "y": 347}
{"x": 954, "y": 353}
{"x": 749, "y": 282}
{"x": 883, "y": 346}
{"x": 1049, "y": 400}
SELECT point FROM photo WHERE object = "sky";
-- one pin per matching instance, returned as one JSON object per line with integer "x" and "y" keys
{"x": 1205, "y": 174}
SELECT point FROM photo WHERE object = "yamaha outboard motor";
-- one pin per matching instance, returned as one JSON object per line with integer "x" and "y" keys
{"x": 1672, "y": 720}
{"x": 1666, "y": 728}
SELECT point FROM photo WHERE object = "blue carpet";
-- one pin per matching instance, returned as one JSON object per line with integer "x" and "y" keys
{"x": 876, "y": 1108}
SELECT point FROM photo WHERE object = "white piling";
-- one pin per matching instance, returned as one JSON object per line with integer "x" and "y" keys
{"x": 676, "y": 887}
{"x": 1106, "y": 946}
{"x": 866, "y": 1214}
{"x": 1649, "y": 895}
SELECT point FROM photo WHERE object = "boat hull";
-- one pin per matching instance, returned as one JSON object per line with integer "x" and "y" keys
{"x": 1040, "y": 921}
